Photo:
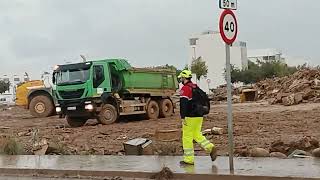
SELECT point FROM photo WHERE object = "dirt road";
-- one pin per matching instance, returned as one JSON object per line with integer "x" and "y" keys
{"x": 255, "y": 125}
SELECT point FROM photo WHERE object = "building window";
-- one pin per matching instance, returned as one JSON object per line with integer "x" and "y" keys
{"x": 193, "y": 41}
{"x": 269, "y": 58}
{"x": 3, "y": 99}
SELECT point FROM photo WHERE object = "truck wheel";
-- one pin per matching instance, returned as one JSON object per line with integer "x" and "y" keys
{"x": 108, "y": 114}
{"x": 41, "y": 106}
{"x": 166, "y": 108}
{"x": 153, "y": 110}
{"x": 76, "y": 121}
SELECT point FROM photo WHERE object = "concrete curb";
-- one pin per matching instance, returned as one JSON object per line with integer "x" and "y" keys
{"x": 101, "y": 174}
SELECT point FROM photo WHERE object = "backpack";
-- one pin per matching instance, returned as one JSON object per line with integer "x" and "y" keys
{"x": 200, "y": 102}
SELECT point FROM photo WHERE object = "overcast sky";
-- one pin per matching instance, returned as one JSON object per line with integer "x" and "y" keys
{"x": 37, "y": 34}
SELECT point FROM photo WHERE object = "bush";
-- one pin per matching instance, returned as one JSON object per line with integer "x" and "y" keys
{"x": 10, "y": 146}
{"x": 260, "y": 71}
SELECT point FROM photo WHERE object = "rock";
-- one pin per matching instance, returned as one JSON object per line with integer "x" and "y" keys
{"x": 207, "y": 132}
{"x": 288, "y": 101}
{"x": 23, "y": 134}
{"x": 213, "y": 131}
{"x": 259, "y": 152}
{"x": 278, "y": 146}
{"x": 306, "y": 143}
{"x": 316, "y": 81}
{"x": 278, "y": 155}
{"x": 217, "y": 131}
{"x": 298, "y": 98}
{"x": 316, "y": 152}
{"x": 41, "y": 151}
{"x": 272, "y": 101}
{"x": 304, "y": 82}
{"x": 314, "y": 142}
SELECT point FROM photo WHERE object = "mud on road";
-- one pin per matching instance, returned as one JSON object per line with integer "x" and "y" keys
{"x": 255, "y": 125}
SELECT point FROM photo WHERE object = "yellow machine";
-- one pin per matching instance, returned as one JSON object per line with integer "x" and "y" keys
{"x": 33, "y": 95}
{"x": 23, "y": 91}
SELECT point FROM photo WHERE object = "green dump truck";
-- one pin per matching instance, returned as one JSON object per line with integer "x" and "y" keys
{"x": 107, "y": 89}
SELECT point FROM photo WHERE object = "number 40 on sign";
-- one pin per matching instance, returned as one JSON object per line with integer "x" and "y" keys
{"x": 228, "y": 4}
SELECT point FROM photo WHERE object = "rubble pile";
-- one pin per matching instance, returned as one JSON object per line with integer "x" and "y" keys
{"x": 306, "y": 143}
{"x": 220, "y": 94}
{"x": 302, "y": 86}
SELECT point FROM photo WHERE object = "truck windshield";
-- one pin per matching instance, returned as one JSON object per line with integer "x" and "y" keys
{"x": 75, "y": 76}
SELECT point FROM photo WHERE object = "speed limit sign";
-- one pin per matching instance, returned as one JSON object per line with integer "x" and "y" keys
{"x": 228, "y": 26}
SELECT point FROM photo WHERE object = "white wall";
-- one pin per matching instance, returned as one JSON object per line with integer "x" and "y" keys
{"x": 212, "y": 49}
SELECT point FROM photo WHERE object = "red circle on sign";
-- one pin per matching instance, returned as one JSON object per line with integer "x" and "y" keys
{"x": 224, "y": 37}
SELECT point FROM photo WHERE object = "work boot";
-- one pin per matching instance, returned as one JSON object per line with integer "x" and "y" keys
{"x": 213, "y": 154}
{"x": 182, "y": 163}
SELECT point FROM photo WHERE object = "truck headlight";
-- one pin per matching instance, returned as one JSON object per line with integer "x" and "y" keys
{"x": 89, "y": 107}
{"x": 58, "y": 109}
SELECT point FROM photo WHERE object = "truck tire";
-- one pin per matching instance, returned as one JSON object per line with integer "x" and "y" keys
{"x": 166, "y": 108}
{"x": 108, "y": 114}
{"x": 76, "y": 121}
{"x": 41, "y": 106}
{"x": 153, "y": 110}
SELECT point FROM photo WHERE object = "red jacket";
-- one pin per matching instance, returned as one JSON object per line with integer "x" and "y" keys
{"x": 186, "y": 100}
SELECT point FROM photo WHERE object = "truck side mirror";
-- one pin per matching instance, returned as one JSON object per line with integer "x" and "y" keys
{"x": 53, "y": 78}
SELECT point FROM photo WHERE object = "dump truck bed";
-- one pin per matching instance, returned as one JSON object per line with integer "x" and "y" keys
{"x": 158, "y": 82}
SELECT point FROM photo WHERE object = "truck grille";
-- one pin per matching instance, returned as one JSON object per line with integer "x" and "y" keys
{"x": 71, "y": 94}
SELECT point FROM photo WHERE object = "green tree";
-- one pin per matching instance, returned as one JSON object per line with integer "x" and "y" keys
{"x": 4, "y": 86}
{"x": 261, "y": 70}
{"x": 199, "y": 67}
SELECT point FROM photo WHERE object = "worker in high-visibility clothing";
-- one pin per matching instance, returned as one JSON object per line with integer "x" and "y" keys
{"x": 191, "y": 123}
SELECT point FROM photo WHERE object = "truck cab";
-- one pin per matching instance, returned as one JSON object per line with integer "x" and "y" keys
{"x": 106, "y": 89}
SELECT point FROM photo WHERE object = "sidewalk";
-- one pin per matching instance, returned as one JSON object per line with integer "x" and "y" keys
{"x": 146, "y": 166}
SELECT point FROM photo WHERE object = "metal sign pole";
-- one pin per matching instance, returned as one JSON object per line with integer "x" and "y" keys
{"x": 230, "y": 123}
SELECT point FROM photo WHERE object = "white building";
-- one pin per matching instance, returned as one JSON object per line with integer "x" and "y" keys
{"x": 8, "y": 97}
{"x": 211, "y": 48}
{"x": 255, "y": 55}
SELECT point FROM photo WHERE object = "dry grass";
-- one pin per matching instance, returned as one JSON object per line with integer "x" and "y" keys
{"x": 9, "y": 146}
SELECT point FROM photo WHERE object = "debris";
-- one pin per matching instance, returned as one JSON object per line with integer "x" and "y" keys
{"x": 259, "y": 152}
{"x": 306, "y": 143}
{"x": 40, "y": 147}
{"x": 168, "y": 135}
{"x": 214, "y": 131}
{"x": 122, "y": 137}
{"x": 289, "y": 90}
{"x": 288, "y": 101}
{"x": 136, "y": 146}
{"x": 104, "y": 132}
{"x": 41, "y": 151}
{"x": 299, "y": 154}
{"x": 298, "y": 98}
{"x": 279, "y": 146}
{"x": 4, "y": 127}
{"x": 316, "y": 152}
{"x": 60, "y": 126}
{"x": 220, "y": 94}
{"x": 164, "y": 174}
{"x": 24, "y": 134}
{"x": 278, "y": 155}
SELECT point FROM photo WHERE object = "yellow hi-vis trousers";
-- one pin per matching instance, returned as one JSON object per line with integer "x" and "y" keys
{"x": 192, "y": 131}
